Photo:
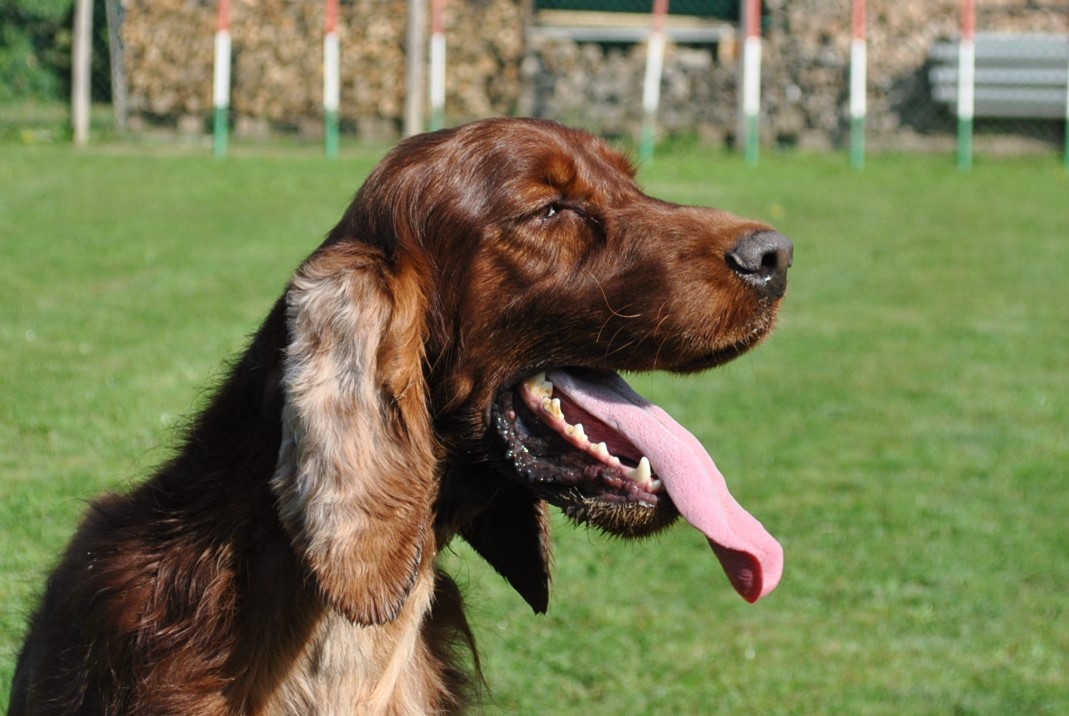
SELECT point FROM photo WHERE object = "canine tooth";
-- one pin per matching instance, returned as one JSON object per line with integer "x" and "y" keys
{"x": 641, "y": 474}
{"x": 538, "y": 385}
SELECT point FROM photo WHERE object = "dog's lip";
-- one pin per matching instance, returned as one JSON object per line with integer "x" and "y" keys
{"x": 720, "y": 356}
{"x": 565, "y": 465}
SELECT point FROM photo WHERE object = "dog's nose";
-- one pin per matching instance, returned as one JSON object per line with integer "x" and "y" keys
{"x": 761, "y": 259}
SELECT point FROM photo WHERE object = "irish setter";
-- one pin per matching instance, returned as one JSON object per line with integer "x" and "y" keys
{"x": 443, "y": 364}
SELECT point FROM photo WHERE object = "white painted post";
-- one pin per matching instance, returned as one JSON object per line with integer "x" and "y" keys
{"x": 966, "y": 82}
{"x": 221, "y": 80}
{"x": 437, "y": 84}
{"x": 751, "y": 80}
{"x": 651, "y": 85}
{"x": 331, "y": 79}
{"x": 858, "y": 71}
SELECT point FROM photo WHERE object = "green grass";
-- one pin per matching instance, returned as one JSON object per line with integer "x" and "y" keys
{"x": 905, "y": 433}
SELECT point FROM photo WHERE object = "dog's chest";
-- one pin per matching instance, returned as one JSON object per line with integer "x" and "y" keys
{"x": 346, "y": 668}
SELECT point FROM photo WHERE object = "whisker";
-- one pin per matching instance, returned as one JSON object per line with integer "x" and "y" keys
{"x": 608, "y": 305}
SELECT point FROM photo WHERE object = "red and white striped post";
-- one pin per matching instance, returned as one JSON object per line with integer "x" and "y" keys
{"x": 858, "y": 71}
{"x": 221, "y": 78}
{"x": 966, "y": 82}
{"x": 751, "y": 79}
{"x": 651, "y": 85}
{"x": 437, "y": 79}
{"x": 331, "y": 78}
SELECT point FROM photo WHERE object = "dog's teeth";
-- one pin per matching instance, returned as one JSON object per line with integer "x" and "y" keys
{"x": 641, "y": 474}
{"x": 577, "y": 431}
{"x": 539, "y": 386}
{"x": 601, "y": 449}
{"x": 552, "y": 406}
{"x": 656, "y": 486}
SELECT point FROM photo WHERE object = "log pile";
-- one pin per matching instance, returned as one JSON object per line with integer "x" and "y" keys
{"x": 167, "y": 54}
{"x": 492, "y": 69}
{"x": 277, "y": 62}
{"x": 807, "y": 65}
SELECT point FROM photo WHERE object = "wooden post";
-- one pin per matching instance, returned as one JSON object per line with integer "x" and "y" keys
{"x": 415, "y": 59}
{"x": 80, "y": 70}
{"x": 119, "y": 101}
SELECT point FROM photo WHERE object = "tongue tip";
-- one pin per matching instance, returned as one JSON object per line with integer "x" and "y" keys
{"x": 752, "y": 577}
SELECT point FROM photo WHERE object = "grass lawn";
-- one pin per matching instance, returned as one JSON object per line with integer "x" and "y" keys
{"x": 905, "y": 433}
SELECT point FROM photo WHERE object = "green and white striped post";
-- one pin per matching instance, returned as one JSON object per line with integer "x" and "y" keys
{"x": 331, "y": 79}
{"x": 1065, "y": 159}
{"x": 437, "y": 71}
{"x": 221, "y": 80}
{"x": 751, "y": 81}
{"x": 651, "y": 84}
{"x": 966, "y": 82}
{"x": 858, "y": 69}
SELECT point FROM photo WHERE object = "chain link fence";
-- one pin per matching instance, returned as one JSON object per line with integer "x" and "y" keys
{"x": 577, "y": 61}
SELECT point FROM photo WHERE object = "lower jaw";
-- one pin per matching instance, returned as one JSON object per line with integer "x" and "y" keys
{"x": 616, "y": 518}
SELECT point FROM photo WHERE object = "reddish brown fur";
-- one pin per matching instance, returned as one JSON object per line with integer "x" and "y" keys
{"x": 284, "y": 561}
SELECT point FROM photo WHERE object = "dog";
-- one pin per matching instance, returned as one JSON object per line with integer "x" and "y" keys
{"x": 446, "y": 363}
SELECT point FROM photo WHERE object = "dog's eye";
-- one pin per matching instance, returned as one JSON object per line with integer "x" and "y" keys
{"x": 551, "y": 211}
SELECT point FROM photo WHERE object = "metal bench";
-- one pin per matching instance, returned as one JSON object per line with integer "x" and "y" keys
{"x": 1017, "y": 75}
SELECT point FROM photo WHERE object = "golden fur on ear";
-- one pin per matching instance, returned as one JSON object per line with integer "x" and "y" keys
{"x": 355, "y": 472}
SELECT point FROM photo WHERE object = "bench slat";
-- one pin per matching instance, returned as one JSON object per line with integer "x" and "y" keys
{"x": 1009, "y": 101}
{"x": 1017, "y": 75}
{"x": 1000, "y": 76}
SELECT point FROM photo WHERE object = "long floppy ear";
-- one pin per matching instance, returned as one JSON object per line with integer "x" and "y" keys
{"x": 512, "y": 534}
{"x": 355, "y": 474}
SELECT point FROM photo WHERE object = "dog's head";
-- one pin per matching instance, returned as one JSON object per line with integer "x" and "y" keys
{"x": 474, "y": 306}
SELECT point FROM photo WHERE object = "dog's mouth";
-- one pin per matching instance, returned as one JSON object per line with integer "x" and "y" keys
{"x": 588, "y": 443}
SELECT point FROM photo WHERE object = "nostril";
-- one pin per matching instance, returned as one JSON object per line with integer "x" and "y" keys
{"x": 762, "y": 259}
{"x": 765, "y": 251}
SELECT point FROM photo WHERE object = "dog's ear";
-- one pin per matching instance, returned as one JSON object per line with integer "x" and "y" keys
{"x": 355, "y": 474}
{"x": 512, "y": 534}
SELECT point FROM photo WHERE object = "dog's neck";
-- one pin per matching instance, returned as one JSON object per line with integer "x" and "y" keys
{"x": 387, "y": 669}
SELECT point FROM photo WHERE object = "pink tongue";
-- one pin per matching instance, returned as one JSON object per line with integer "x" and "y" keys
{"x": 752, "y": 558}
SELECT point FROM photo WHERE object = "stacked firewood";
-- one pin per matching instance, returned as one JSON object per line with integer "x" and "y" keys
{"x": 277, "y": 61}
{"x": 493, "y": 68}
